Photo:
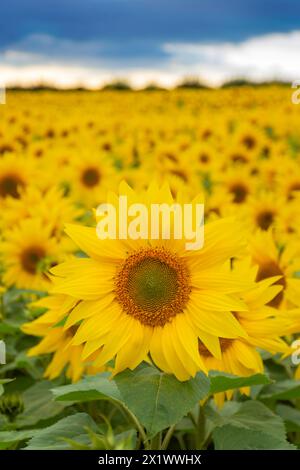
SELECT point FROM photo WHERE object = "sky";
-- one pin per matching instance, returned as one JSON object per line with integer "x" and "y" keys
{"x": 91, "y": 42}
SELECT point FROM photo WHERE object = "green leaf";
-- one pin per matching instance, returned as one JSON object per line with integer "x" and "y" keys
{"x": 157, "y": 399}
{"x": 285, "y": 390}
{"x": 39, "y": 405}
{"x": 2, "y": 382}
{"x": 291, "y": 417}
{"x": 249, "y": 425}
{"x": 221, "y": 381}
{"x": 126, "y": 440}
{"x": 232, "y": 438}
{"x": 8, "y": 439}
{"x": 71, "y": 427}
{"x": 8, "y": 328}
{"x": 97, "y": 387}
{"x": 24, "y": 362}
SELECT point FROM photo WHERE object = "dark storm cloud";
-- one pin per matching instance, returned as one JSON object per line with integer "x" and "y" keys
{"x": 86, "y": 41}
{"x": 136, "y": 28}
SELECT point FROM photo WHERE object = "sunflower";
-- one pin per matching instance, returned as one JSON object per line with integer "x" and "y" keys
{"x": 289, "y": 180}
{"x": 264, "y": 210}
{"x": 16, "y": 173}
{"x": 51, "y": 206}
{"x": 91, "y": 176}
{"x": 238, "y": 183}
{"x": 288, "y": 224}
{"x": 276, "y": 260}
{"x": 153, "y": 298}
{"x": 218, "y": 203}
{"x": 182, "y": 177}
{"x": 56, "y": 340}
{"x": 250, "y": 138}
{"x": 264, "y": 326}
{"x": 27, "y": 252}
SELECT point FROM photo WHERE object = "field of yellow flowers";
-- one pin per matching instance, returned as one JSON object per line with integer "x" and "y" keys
{"x": 141, "y": 344}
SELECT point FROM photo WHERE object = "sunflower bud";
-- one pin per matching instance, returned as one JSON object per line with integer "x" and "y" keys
{"x": 11, "y": 405}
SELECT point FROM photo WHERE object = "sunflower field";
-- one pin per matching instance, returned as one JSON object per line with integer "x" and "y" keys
{"x": 123, "y": 344}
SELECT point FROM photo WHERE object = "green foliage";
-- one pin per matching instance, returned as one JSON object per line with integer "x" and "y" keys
{"x": 284, "y": 390}
{"x": 9, "y": 439}
{"x": 192, "y": 83}
{"x": 98, "y": 387}
{"x": 157, "y": 399}
{"x": 248, "y": 425}
{"x": 2, "y": 382}
{"x": 39, "y": 405}
{"x": 56, "y": 436}
{"x": 119, "y": 85}
{"x": 145, "y": 392}
{"x": 222, "y": 382}
{"x": 144, "y": 408}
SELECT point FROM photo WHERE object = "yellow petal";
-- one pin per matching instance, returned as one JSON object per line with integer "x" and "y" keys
{"x": 210, "y": 300}
{"x": 87, "y": 309}
{"x": 135, "y": 350}
{"x": 87, "y": 240}
{"x": 116, "y": 341}
{"x": 221, "y": 324}
{"x": 98, "y": 325}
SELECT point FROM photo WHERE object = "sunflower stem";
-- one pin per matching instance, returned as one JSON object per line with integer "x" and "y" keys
{"x": 137, "y": 424}
{"x": 200, "y": 430}
{"x": 168, "y": 437}
{"x": 155, "y": 442}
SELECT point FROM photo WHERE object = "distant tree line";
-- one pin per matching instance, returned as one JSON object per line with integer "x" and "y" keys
{"x": 123, "y": 85}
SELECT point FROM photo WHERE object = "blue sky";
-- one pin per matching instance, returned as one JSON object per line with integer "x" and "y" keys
{"x": 90, "y": 41}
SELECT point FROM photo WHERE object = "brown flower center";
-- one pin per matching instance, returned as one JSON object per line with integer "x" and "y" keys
{"x": 10, "y": 185}
{"x": 31, "y": 257}
{"x": 238, "y": 158}
{"x": 180, "y": 174}
{"x": 204, "y": 158}
{"x": 225, "y": 343}
{"x": 5, "y": 148}
{"x": 265, "y": 219}
{"x": 249, "y": 142}
{"x": 90, "y": 177}
{"x": 170, "y": 156}
{"x": 294, "y": 187}
{"x": 271, "y": 269}
{"x": 240, "y": 192}
{"x": 153, "y": 286}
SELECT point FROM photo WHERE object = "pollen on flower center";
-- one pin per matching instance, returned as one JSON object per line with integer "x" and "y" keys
{"x": 31, "y": 257}
{"x": 153, "y": 286}
{"x": 90, "y": 177}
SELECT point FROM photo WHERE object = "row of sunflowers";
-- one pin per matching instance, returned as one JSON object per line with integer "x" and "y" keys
{"x": 202, "y": 338}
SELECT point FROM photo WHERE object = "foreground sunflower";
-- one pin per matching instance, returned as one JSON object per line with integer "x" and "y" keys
{"x": 264, "y": 326}
{"x": 56, "y": 340}
{"x": 136, "y": 299}
{"x": 275, "y": 259}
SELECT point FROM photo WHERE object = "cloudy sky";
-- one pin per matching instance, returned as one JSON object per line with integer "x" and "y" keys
{"x": 90, "y": 42}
